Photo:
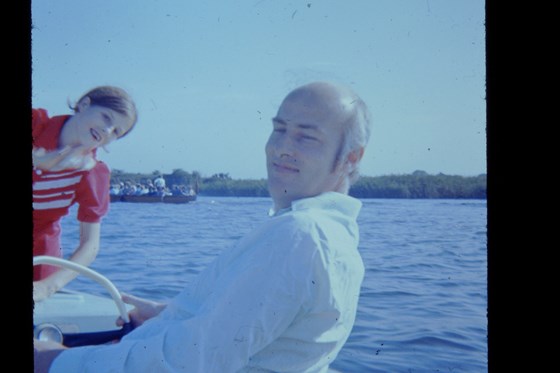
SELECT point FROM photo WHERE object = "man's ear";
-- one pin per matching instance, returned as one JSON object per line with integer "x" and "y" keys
{"x": 355, "y": 156}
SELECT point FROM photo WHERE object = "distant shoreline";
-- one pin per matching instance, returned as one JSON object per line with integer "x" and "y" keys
{"x": 418, "y": 185}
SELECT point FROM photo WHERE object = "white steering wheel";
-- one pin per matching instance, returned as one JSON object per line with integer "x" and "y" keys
{"x": 102, "y": 280}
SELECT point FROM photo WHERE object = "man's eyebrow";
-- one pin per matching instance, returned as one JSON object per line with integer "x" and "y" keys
{"x": 307, "y": 126}
{"x": 278, "y": 120}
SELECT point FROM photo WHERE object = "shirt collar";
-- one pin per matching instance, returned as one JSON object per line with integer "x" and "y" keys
{"x": 329, "y": 200}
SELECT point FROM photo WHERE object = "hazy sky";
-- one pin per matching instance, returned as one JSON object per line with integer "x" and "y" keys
{"x": 207, "y": 76}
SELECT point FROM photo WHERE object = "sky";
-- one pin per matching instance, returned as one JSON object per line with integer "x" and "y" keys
{"x": 208, "y": 76}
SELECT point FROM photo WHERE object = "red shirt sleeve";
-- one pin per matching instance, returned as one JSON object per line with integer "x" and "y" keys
{"x": 93, "y": 194}
{"x": 39, "y": 117}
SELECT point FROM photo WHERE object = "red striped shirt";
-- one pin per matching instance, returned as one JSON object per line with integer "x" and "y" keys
{"x": 55, "y": 192}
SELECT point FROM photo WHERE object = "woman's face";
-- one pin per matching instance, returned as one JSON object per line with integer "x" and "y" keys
{"x": 98, "y": 126}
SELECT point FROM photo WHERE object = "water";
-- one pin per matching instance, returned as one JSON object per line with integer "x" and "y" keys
{"x": 423, "y": 301}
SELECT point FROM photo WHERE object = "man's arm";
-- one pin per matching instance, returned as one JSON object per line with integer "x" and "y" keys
{"x": 252, "y": 300}
{"x": 144, "y": 309}
{"x": 44, "y": 354}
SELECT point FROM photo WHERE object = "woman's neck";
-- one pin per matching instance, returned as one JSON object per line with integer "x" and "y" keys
{"x": 68, "y": 135}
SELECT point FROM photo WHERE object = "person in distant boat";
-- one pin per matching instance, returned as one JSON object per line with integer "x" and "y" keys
{"x": 285, "y": 298}
{"x": 115, "y": 190}
{"x": 159, "y": 183}
{"x": 66, "y": 171}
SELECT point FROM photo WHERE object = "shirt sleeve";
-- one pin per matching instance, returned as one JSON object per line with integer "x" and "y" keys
{"x": 253, "y": 301}
{"x": 93, "y": 194}
{"x": 38, "y": 119}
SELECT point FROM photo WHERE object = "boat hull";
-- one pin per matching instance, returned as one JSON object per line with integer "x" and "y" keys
{"x": 177, "y": 199}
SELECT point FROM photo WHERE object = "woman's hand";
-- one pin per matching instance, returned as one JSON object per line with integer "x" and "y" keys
{"x": 77, "y": 157}
{"x": 41, "y": 290}
{"x": 144, "y": 309}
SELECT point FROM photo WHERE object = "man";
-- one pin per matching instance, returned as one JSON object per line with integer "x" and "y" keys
{"x": 285, "y": 298}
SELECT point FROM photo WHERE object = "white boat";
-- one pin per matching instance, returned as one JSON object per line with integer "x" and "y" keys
{"x": 75, "y": 318}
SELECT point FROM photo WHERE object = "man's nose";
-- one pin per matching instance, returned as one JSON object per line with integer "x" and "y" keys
{"x": 285, "y": 146}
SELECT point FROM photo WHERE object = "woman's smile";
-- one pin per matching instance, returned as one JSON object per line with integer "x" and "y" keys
{"x": 96, "y": 135}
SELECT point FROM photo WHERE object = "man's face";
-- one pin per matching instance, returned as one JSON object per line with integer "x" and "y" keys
{"x": 302, "y": 149}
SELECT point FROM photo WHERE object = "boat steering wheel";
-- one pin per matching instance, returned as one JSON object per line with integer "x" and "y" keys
{"x": 73, "y": 340}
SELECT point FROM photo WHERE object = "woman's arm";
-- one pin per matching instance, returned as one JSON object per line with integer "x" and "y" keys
{"x": 77, "y": 157}
{"x": 84, "y": 254}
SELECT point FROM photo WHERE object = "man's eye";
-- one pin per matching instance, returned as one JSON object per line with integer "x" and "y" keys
{"x": 309, "y": 138}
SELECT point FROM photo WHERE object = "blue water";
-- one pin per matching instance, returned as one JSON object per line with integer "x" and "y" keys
{"x": 423, "y": 301}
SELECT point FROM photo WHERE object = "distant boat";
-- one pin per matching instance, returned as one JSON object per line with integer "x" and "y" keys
{"x": 145, "y": 198}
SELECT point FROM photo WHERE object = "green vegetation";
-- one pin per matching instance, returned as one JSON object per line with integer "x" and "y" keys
{"x": 419, "y": 184}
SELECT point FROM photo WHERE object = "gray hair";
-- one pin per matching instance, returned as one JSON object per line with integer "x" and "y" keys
{"x": 357, "y": 131}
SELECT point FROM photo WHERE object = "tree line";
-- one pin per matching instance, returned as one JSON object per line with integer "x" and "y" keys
{"x": 419, "y": 184}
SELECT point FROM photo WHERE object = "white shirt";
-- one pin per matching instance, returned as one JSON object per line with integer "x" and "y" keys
{"x": 283, "y": 300}
{"x": 159, "y": 182}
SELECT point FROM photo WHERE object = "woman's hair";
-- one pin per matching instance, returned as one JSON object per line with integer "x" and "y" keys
{"x": 113, "y": 98}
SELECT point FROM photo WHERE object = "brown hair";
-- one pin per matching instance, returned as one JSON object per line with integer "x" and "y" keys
{"x": 113, "y": 98}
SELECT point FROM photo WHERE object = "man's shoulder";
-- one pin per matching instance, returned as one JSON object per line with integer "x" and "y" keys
{"x": 297, "y": 220}
{"x": 329, "y": 203}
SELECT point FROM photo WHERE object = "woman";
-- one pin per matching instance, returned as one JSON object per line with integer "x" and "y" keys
{"x": 66, "y": 172}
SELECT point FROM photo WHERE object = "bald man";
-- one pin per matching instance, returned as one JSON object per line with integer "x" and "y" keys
{"x": 284, "y": 299}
